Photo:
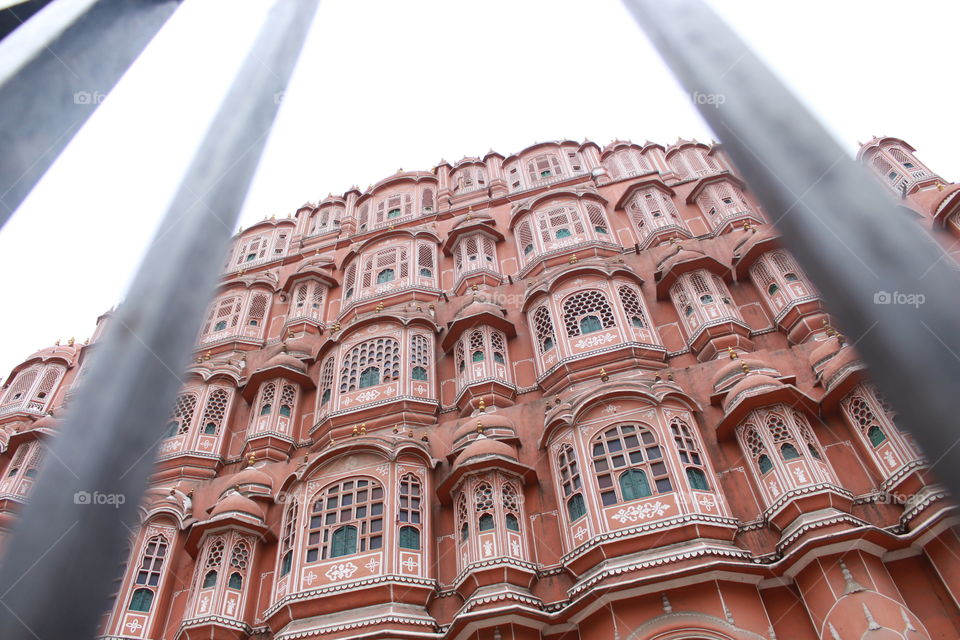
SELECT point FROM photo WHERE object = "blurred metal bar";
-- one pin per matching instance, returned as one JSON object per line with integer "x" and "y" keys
{"x": 63, "y": 556}
{"x": 845, "y": 231}
{"x": 55, "y": 70}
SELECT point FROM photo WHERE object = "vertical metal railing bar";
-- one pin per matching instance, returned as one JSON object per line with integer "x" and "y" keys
{"x": 845, "y": 232}
{"x": 57, "y": 571}
{"x": 55, "y": 75}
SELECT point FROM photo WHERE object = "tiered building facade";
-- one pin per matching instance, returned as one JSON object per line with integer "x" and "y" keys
{"x": 576, "y": 392}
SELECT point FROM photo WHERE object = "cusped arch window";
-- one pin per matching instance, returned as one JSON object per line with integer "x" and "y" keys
{"x": 571, "y": 483}
{"x": 346, "y": 518}
{"x": 558, "y": 225}
{"x": 628, "y": 464}
{"x": 587, "y": 312}
{"x": 370, "y": 363}
{"x": 149, "y": 574}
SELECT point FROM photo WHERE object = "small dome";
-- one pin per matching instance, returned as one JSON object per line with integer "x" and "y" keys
{"x": 236, "y": 503}
{"x": 682, "y": 255}
{"x": 478, "y": 306}
{"x": 826, "y": 350}
{"x": 837, "y": 363}
{"x": 46, "y": 422}
{"x": 488, "y": 420}
{"x": 733, "y": 369}
{"x": 486, "y": 447}
{"x": 285, "y": 360}
{"x": 752, "y": 383}
{"x": 250, "y": 475}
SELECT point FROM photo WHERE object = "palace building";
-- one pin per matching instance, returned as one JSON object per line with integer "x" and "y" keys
{"x": 575, "y": 392}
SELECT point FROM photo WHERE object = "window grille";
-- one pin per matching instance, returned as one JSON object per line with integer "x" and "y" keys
{"x": 628, "y": 464}
{"x": 347, "y": 518}
{"x": 586, "y": 312}
{"x": 382, "y": 354}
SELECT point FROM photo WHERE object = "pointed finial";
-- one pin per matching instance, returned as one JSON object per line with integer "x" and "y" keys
{"x": 733, "y": 354}
{"x": 482, "y": 407}
{"x": 573, "y": 259}
{"x": 850, "y": 584}
{"x": 57, "y": 343}
{"x": 603, "y": 375}
{"x": 251, "y": 459}
{"x": 665, "y": 601}
{"x": 871, "y": 623}
{"x": 479, "y": 427}
{"x": 70, "y": 341}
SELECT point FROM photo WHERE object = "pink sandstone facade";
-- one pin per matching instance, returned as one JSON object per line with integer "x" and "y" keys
{"x": 570, "y": 393}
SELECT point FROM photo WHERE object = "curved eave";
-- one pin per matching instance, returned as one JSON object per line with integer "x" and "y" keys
{"x": 320, "y": 273}
{"x": 391, "y": 448}
{"x": 414, "y": 177}
{"x": 784, "y": 394}
{"x": 706, "y": 181}
{"x": 843, "y": 384}
{"x": 875, "y": 143}
{"x": 561, "y": 273}
{"x": 278, "y": 371}
{"x": 650, "y": 180}
{"x": 459, "y": 325}
{"x": 665, "y": 280}
{"x": 484, "y": 225}
{"x": 206, "y": 375}
{"x": 617, "y": 145}
{"x": 381, "y": 236}
{"x": 550, "y": 143}
{"x": 374, "y": 317}
{"x": 276, "y": 222}
{"x": 43, "y": 357}
{"x": 480, "y": 464}
{"x": 746, "y": 259}
{"x": 530, "y": 204}
{"x": 229, "y": 520}
{"x": 947, "y": 206}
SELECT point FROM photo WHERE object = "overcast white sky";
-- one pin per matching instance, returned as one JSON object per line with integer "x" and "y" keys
{"x": 384, "y": 84}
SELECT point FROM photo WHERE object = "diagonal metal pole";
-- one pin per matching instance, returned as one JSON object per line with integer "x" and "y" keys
{"x": 57, "y": 571}
{"x": 54, "y": 72}
{"x": 834, "y": 217}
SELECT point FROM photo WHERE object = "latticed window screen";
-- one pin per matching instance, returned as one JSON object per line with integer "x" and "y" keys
{"x": 347, "y": 518}
{"x": 597, "y": 220}
{"x": 559, "y": 223}
{"x": 632, "y": 307}
{"x": 806, "y": 434}
{"x": 49, "y": 380}
{"x": 288, "y": 398}
{"x": 543, "y": 167}
{"x": 385, "y": 266}
{"x": 308, "y": 299}
{"x": 267, "y": 394}
{"x": 477, "y": 351}
{"x": 426, "y": 200}
{"x": 883, "y": 168}
{"x": 483, "y": 504}
{"x": 350, "y": 281}
{"x": 902, "y": 158}
{"x": 510, "y": 498}
{"x": 225, "y": 314}
{"x": 211, "y": 567}
{"x": 758, "y": 450}
{"x": 419, "y": 357}
{"x": 183, "y": 412}
{"x": 543, "y": 326}
{"x": 780, "y": 433}
{"x": 462, "y": 518}
{"x": 425, "y": 252}
{"x": 866, "y": 420}
{"x": 689, "y": 452}
{"x": 525, "y": 239}
{"x": 258, "y": 309}
{"x": 21, "y": 385}
{"x": 287, "y": 538}
{"x": 239, "y": 559}
{"x": 381, "y": 355}
{"x": 215, "y": 411}
{"x": 586, "y": 312}
{"x": 628, "y": 464}
{"x": 473, "y": 252}
{"x": 498, "y": 344}
{"x": 326, "y": 381}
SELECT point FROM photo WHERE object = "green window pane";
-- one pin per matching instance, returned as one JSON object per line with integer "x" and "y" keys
{"x": 419, "y": 373}
{"x": 236, "y": 581}
{"x": 210, "y": 579}
{"x": 698, "y": 479}
{"x": 385, "y": 276}
{"x": 141, "y": 600}
{"x": 409, "y": 538}
{"x": 369, "y": 377}
{"x": 634, "y": 484}
{"x": 589, "y": 324}
{"x": 512, "y": 523}
{"x": 576, "y": 507}
{"x": 764, "y": 463}
{"x": 876, "y": 435}
{"x": 343, "y": 542}
{"x": 789, "y": 452}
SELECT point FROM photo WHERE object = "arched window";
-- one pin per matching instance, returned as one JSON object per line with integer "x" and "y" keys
{"x": 239, "y": 559}
{"x": 212, "y": 565}
{"x": 483, "y": 503}
{"x": 511, "y": 506}
{"x": 183, "y": 412}
{"x": 462, "y": 518}
{"x": 782, "y": 438}
{"x": 543, "y": 326}
{"x": 286, "y": 540}
{"x": 689, "y": 452}
{"x": 266, "y": 398}
{"x": 628, "y": 464}
{"x": 141, "y": 601}
{"x": 473, "y": 252}
{"x": 409, "y": 538}
{"x": 586, "y": 312}
{"x": 215, "y": 411}
{"x": 326, "y": 381}
{"x": 148, "y": 575}
{"x": 571, "y": 483}
{"x": 409, "y": 512}
{"x": 288, "y": 398}
{"x": 347, "y": 518}
{"x": 632, "y": 307}
{"x": 372, "y": 362}
{"x": 419, "y": 357}
{"x": 385, "y": 276}
{"x": 758, "y": 450}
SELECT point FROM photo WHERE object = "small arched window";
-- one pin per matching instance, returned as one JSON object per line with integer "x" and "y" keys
{"x": 210, "y": 580}
{"x": 876, "y": 436}
{"x": 789, "y": 452}
{"x": 483, "y": 502}
{"x": 286, "y": 542}
{"x": 628, "y": 464}
{"x": 571, "y": 483}
{"x": 266, "y": 409}
{"x": 141, "y": 601}
{"x": 369, "y": 377}
{"x": 543, "y": 326}
{"x": 385, "y": 276}
{"x": 236, "y": 581}
{"x": 586, "y": 312}
{"x": 409, "y": 538}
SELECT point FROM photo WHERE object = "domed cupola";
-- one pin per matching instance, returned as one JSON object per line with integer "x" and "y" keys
{"x": 837, "y": 367}
{"x": 494, "y": 426}
{"x": 235, "y": 505}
